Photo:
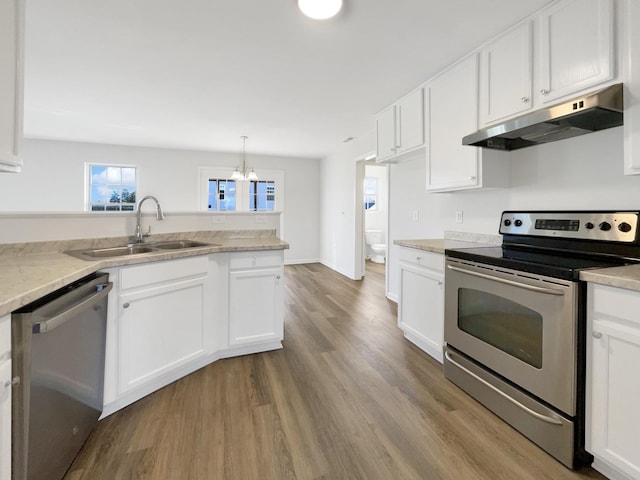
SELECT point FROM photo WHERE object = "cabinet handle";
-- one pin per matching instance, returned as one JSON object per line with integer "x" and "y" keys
{"x": 596, "y": 335}
{"x": 125, "y": 305}
{"x": 472, "y": 178}
{"x": 418, "y": 259}
{"x": 544, "y": 91}
{"x": 278, "y": 277}
{"x": 525, "y": 99}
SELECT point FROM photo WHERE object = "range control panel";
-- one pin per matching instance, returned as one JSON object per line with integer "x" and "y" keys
{"x": 601, "y": 226}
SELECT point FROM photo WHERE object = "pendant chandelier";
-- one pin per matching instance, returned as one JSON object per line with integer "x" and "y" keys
{"x": 320, "y": 9}
{"x": 244, "y": 174}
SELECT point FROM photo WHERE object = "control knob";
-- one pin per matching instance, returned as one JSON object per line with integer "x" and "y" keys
{"x": 518, "y": 223}
{"x": 624, "y": 227}
{"x": 507, "y": 222}
{"x": 605, "y": 226}
{"x": 589, "y": 226}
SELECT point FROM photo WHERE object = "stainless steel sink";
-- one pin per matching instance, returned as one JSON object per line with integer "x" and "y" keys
{"x": 137, "y": 249}
{"x": 117, "y": 251}
{"x": 179, "y": 244}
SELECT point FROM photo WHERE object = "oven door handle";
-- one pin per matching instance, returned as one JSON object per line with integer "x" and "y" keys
{"x": 539, "y": 416}
{"x": 550, "y": 291}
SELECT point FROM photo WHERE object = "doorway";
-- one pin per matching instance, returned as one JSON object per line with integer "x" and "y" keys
{"x": 372, "y": 217}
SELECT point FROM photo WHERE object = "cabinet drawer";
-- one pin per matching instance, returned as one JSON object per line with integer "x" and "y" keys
{"x": 423, "y": 258}
{"x": 158, "y": 272}
{"x": 256, "y": 259}
{"x": 617, "y": 302}
{"x": 5, "y": 336}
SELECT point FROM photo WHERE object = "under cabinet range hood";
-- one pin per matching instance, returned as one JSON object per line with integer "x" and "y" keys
{"x": 589, "y": 113}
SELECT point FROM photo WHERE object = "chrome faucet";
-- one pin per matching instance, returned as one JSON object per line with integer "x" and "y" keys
{"x": 139, "y": 236}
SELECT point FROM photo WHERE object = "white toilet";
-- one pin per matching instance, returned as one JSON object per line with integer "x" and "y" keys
{"x": 376, "y": 248}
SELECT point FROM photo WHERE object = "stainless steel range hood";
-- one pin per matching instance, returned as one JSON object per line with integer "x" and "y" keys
{"x": 590, "y": 113}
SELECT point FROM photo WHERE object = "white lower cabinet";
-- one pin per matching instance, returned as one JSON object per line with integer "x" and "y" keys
{"x": 255, "y": 297}
{"x": 613, "y": 383}
{"x": 167, "y": 319}
{"x": 421, "y": 303}
{"x": 5, "y": 398}
{"x": 160, "y": 326}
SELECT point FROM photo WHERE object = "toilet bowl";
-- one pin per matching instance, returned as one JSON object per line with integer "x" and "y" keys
{"x": 376, "y": 248}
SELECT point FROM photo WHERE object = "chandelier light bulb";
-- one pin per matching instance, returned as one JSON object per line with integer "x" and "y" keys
{"x": 320, "y": 9}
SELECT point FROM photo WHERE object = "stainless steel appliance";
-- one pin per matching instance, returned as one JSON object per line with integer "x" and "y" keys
{"x": 586, "y": 114}
{"x": 58, "y": 345}
{"x": 515, "y": 319}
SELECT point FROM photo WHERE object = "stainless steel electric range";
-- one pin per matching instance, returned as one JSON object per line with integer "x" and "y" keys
{"x": 515, "y": 319}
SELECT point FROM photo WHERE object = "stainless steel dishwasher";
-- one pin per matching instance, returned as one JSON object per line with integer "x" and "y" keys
{"x": 58, "y": 345}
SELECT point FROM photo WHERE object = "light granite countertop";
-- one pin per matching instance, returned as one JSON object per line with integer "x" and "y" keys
{"x": 627, "y": 276}
{"x": 438, "y": 245}
{"x": 30, "y": 271}
{"x": 451, "y": 240}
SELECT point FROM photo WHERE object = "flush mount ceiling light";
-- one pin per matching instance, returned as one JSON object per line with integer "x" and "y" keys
{"x": 320, "y": 9}
{"x": 244, "y": 174}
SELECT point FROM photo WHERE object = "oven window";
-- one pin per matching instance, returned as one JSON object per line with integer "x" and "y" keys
{"x": 509, "y": 326}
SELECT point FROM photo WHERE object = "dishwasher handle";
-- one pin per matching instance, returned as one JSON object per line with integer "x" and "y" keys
{"x": 50, "y": 324}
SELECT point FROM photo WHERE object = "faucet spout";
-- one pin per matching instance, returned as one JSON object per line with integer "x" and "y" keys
{"x": 139, "y": 236}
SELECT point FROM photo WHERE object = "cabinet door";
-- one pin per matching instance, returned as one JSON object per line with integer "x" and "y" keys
{"x": 630, "y": 41}
{"x": 506, "y": 75}
{"x": 410, "y": 115}
{"x": 614, "y": 392}
{"x": 386, "y": 133}
{"x": 5, "y": 420}
{"x": 576, "y": 46}
{"x": 421, "y": 308}
{"x": 452, "y": 113}
{"x": 11, "y": 84}
{"x": 160, "y": 329}
{"x": 255, "y": 306}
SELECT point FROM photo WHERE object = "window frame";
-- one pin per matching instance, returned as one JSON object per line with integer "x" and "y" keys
{"x": 242, "y": 189}
{"x": 88, "y": 184}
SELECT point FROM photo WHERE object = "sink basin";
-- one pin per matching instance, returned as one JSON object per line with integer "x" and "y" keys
{"x": 115, "y": 251}
{"x": 136, "y": 249}
{"x": 179, "y": 244}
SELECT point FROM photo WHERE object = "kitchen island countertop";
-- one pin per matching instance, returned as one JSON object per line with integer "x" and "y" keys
{"x": 30, "y": 271}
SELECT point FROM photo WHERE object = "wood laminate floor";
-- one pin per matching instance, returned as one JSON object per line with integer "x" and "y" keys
{"x": 347, "y": 398}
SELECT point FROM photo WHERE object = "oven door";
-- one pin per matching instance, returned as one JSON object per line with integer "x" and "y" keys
{"x": 519, "y": 325}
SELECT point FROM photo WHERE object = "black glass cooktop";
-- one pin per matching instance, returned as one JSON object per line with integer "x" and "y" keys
{"x": 557, "y": 264}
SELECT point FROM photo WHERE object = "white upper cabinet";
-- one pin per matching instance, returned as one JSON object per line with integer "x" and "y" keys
{"x": 506, "y": 79}
{"x": 630, "y": 44}
{"x": 400, "y": 127}
{"x": 11, "y": 84}
{"x": 452, "y": 113}
{"x": 576, "y": 47}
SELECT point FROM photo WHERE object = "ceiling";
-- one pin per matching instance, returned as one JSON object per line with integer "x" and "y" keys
{"x": 198, "y": 74}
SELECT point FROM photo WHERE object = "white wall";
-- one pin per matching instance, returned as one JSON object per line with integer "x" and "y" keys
{"x": 584, "y": 172}
{"x": 338, "y": 204}
{"x": 53, "y": 181}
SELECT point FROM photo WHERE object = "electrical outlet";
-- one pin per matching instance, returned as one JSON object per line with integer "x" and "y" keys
{"x": 458, "y": 216}
{"x": 260, "y": 219}
{"x": 416, "y": 215}
{"x": 218, "y": 219}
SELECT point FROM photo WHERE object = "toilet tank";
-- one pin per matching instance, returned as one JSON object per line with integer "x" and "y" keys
{"x": 373, "y": 236}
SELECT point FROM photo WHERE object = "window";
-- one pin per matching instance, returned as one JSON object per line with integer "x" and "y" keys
{"x": 111, "y": 188}
{"x": 218, "y": 193}
{"x": 222, "y": 195}
{"x": 262, "y": 195}
{"x": 370, "y": 193}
